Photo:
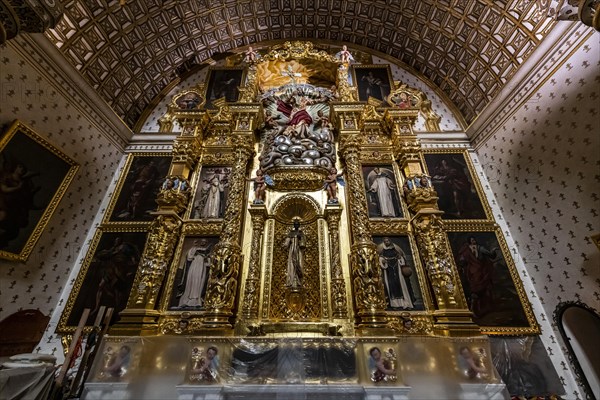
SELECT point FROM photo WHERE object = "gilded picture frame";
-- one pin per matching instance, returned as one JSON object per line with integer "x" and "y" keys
{"x": 139, "y": 183}
{"x": 373, "y": 80}
{"x": 223, "y": 82}
{"x": 35, "y": 175}
{"x": 106, "y": 275}
{"x": 490, "y": 281}
{"x": 453, "y": 176}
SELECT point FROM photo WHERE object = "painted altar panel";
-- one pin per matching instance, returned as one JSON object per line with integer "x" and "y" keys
{"x": 135, "y": 196}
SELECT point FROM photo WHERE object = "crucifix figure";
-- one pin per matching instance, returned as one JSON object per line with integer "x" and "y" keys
{"x": 289, "y": 72}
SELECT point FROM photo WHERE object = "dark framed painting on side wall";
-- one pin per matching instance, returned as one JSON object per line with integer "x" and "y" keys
{"x": 34, "y": 176}
{"x": 106, "y": 276}
{"x": 460, "y": 194}
{"x": 491, "y": 283}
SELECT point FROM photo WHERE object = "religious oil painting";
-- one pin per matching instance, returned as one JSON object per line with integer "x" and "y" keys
{"x": 211, "y": 193}
{"x": 191, "y": 278}
{"x": 492, "y": 287}
{"x": 138, "y": 188}
{"x": 223, "y": 83}
{"x": 120, "y": 360}
{"x": 383, "y": 198}
{"x": 382, "y": 363}
{"x": 399, "y": 273}
{"x": 204, "y": 364}
{"x": 454, "y": 184}
{"x": 106, "y": 277}
{"x": 188, "y": 100}
{"x": 34, "y": 175}
{"x": 373, "y": 81}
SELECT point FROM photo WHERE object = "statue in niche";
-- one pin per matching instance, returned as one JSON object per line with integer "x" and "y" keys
{"x": 295, "y": 243}
{"x": 297, "y": 131}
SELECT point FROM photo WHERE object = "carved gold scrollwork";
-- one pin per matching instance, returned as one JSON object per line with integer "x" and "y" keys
{"x": 435, "y": 253}
{"x": 368, "y": 285}
{"x": 162, "y": 238}
{"x": 222, "y": 284}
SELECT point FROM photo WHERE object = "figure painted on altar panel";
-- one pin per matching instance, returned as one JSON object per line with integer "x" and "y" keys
{"x": 455, "y": 187}
{"x": 382, "y": 192}
{"x": 295, "y": 244}
{"x": 401, "y": 283}
{"x": 476, "y": 264}
{"x": 211, "y": 194}
{"x": 137, "y": 197}
{"x": 382, "y": 365}
{"x": 204, "y": 367}
{"x": 223, "y": 83}
{"x": 472, "y": 364}
{"x": 487, "y": 281}
{"x": 191, "y": 278}
{"x": 373, "y": 82}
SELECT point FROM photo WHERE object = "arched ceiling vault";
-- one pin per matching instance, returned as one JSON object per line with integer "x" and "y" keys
{"x": 468, "y": 48}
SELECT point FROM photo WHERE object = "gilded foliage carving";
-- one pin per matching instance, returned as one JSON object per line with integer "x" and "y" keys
{"x": 162, "y": 238}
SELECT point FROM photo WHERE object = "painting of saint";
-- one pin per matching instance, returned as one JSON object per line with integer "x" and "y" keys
{"x": 191, "y": 277}
{"x": 454, "y": 185}
{"x": 32, "y": 174}
{"x": 400, "y": 281}
{"x": 211, "y": 193}
{"x": 107, "y": 278}
{"x": 223, "y": 83}
{"x": 138, "y": 191}
{"x": 490, "y": 289}
{"x": 382, "y": 192}
{"x": 189, "y": 101}
{"x": 373, "y": 82}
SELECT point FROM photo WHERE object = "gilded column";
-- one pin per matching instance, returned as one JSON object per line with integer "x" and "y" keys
{"x": 226, "y": 261}
{"x": 338, "y": 284}
{"x": 258, "y": 213}
{"x": 366, "y": 277}
{"x": 451, "y": 315}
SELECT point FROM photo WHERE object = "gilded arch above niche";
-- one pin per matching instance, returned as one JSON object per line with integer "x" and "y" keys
{"x": 296, "y": 205}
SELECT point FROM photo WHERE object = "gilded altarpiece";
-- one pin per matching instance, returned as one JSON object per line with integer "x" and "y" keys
{"x": 308, "y": 214}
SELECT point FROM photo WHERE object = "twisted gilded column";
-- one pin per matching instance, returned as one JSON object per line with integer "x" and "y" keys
{"x": 338, "y": 284}
{"x": 452, "y": 317}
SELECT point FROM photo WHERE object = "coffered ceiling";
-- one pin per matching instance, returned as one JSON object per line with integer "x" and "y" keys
{"x": 129, "y": 54}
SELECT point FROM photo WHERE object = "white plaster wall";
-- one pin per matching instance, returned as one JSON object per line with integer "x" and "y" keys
{"x": 31, "y": 92}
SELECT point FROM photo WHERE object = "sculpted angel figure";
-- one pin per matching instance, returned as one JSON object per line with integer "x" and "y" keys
{"x": 345, "y": 56}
